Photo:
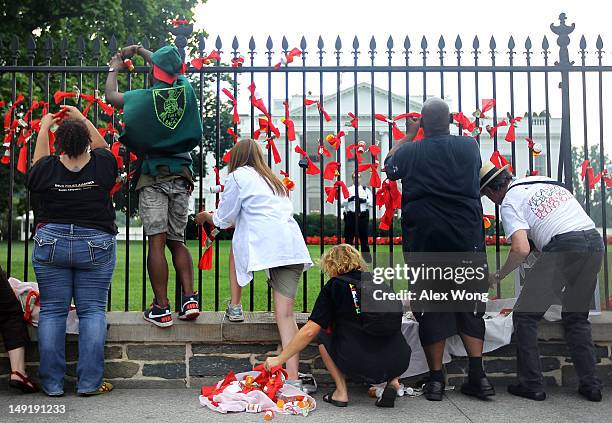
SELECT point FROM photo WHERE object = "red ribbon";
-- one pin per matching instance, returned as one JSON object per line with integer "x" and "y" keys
{"x": 492, "y": 130}
{"x": 332, "y": 191}
{"x": 237, "y": 62}
{"x": 258, "y": 103}
{"x": 326, "y": 116}
{"x": 312, "y": 168}
{"x": 500, "y": 161}
{"x": 323, "y": 151}
{"x": 234, "y": 135}
{"x": 289, "y": 57}
{"x": 374, "y": 177}
{"x": 288, "y": 122}
{"x": 9, "y": 113}
{"x": 201, "y": 61}
{"x": 487, "y": 104}
{"x": 390, "y": 197}
{"x": 335, "y": 140}
{"x": 397, "y": 133}
{"x": 266, "y": 126}
{"x": 511, "y": 134}
{"x": 234, "y": 104}
{"x": 272, "y": 145}
{"x": 353, "y": 120}
{"x": 331, "y": 170}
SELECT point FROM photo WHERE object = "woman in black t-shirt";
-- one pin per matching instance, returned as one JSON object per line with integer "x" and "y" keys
{"x": 346, "y": 348}
{"x": 74, "y": 247}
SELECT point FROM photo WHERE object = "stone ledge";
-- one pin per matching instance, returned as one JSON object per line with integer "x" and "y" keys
{"x": 260, "y": 327}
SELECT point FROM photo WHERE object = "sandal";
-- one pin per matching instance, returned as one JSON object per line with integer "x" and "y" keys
{"x": 25, "y": 385}
{"x": 328, "y": 398}
{"x": 105, "y": 388}
{"x": 387, "y": 399}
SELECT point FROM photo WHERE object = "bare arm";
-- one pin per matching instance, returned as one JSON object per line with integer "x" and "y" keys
{"x": 42, "y": 140}
{"x": 300, "y": 341}
{"x": 97, "y": 141}
{"x": 111, "y": 89}
{"x": 518, "y": 253}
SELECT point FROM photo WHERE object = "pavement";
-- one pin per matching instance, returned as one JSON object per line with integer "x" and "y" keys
{"x": 181, "y": 405}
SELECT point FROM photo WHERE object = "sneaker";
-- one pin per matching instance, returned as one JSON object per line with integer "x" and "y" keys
{"x": 190, "y": 307}
{"x": 234, "y": 312}
{"x": 159, "y": 316}
{"x": 295, "y": 383}
{"x": 309, "y": 384}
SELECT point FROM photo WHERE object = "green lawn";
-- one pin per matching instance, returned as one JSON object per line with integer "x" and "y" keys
{"x": 210, "y": 279}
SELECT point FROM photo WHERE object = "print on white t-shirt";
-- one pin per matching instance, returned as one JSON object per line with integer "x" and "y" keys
{"x": 543, "y": 210}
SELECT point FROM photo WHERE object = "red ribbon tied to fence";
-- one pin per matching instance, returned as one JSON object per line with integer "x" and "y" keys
{"x": 308, "y": 102}
{"x": 332, "y": 191}
{"x": 390, "y": 197}
{"x": 312, "y": 169}
{"x": 288, "y": 122}
{"x": 234, "y": 105}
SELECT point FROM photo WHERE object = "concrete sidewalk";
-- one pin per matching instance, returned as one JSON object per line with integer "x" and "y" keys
{"x": 181, "y": 405}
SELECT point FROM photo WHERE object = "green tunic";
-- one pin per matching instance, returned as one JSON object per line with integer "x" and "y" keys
{"x": 162, "y": 121}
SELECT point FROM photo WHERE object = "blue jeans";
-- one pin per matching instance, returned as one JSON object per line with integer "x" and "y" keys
{"x": 72, "y": 262}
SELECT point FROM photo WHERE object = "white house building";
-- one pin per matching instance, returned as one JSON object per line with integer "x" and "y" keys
{"x": 371, "y": 128}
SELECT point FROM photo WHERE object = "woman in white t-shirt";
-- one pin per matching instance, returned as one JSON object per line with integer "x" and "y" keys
{"x": 266, "y": 235}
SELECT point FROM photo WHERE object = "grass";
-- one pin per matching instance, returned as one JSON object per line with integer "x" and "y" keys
{"x": 139, "y": 285}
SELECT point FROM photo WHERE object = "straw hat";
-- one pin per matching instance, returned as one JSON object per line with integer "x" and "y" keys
{"x": 488, "y": 172}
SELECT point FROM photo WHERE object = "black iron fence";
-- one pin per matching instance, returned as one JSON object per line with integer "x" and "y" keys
{"x": 366, "y": 81}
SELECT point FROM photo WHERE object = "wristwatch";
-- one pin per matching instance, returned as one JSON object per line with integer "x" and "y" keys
{"x": 111, "y": 69}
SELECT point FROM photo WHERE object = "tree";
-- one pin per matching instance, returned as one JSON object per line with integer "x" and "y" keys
{"x": 80, "y": 32}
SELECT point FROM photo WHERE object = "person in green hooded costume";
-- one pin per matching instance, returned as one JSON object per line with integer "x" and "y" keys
{"x": 162, "y": 127}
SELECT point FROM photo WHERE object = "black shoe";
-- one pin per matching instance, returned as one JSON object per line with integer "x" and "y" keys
{"x": 590, "y": 393}
{"x": 521, "y": 391}
{"x": 387, "y": 399}
{"x": 159, "y": 316}
{"x": 481, "y": 388}
{"x": 190, "y": 308}
{"x": 433, "y": 390}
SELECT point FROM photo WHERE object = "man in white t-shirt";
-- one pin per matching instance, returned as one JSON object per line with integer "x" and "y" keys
{"x": 540, "y": 211}
{"x": 358, "y": 225}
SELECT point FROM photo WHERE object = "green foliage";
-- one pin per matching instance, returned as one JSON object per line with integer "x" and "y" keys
{"x": 93, "y": 19}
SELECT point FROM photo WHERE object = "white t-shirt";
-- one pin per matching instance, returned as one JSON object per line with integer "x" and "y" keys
{"x": 544, "y": 210}
{"x": 364, "y": 194}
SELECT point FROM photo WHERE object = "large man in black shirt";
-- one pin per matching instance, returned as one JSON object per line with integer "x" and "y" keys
{"x": 442, "y": 213}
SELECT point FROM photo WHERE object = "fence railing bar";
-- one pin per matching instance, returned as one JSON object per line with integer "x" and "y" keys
{"x": 547, "y": 109}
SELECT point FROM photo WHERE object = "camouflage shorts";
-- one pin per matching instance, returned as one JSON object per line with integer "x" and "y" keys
{"x": 164, "y": 208}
